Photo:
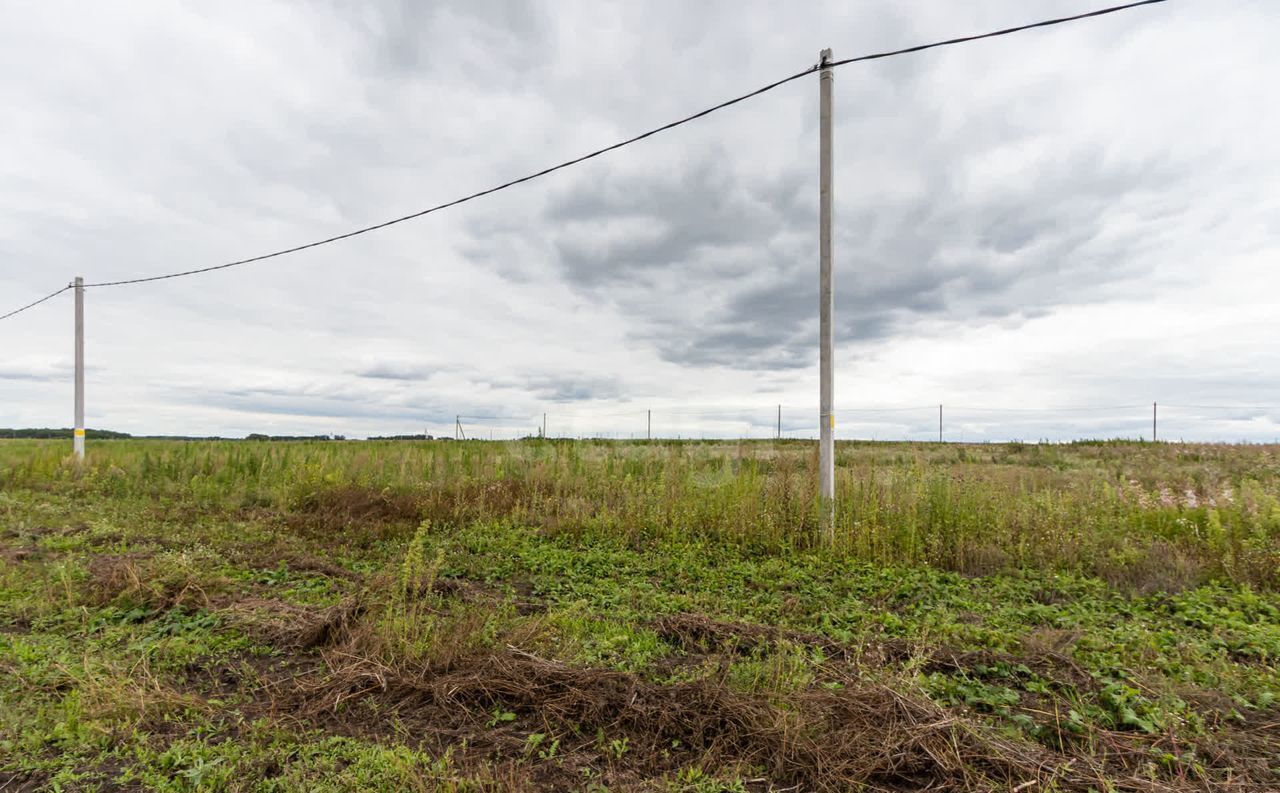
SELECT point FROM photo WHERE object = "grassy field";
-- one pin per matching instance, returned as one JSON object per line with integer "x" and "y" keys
{"x": 558, "y": 615}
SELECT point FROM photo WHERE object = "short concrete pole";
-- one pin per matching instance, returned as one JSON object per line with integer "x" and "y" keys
{"x": 77, "y": 442}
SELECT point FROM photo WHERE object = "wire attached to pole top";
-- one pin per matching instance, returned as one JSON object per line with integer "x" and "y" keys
{"x": 49, "y": 296}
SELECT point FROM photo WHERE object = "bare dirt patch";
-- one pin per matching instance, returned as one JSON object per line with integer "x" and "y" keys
{"x": 22, "y": 781}
{"x": 15, "y": 626}
{"x": 22, "y": 553}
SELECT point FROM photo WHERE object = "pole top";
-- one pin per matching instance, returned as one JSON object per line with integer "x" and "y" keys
{"x": 79, "y": 281}
{"x": 824, "y": 58}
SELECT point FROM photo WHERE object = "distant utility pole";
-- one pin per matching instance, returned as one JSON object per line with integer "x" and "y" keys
{"x": 544, "y": 425}
{"x": 826, "y": 306}
{"x": 77, "y": 440}
{"x": 939, "y": 423}
{"x": 779, "y": 422}
{"x": 1153, "y": 422}
{"x": 458, "y": 434}
{"x": 648, "y": 427}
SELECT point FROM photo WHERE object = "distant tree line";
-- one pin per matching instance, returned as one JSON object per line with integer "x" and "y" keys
{"x": 405, "y": 438}
{"x": 257, "y": 436}
{"x": 66, "y": 432}
{"x": 59, "y": 432}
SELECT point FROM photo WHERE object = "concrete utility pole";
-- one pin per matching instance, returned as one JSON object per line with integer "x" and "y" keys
{"x": 1153, "y": 422}
{"x": 648, "y": 427}
{"x": 939, "y": 423}
{"x": 77, "y": 441}
{"x": 779, "y": 422}
{"x": 544, "y": 425}
{"x": 826, "y": 306}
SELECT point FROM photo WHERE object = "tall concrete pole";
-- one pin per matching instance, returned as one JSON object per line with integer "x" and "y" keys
{"x": 77, "y": 442}
{"x": 1153, "y": 422}
{"x": 826, "y": 307}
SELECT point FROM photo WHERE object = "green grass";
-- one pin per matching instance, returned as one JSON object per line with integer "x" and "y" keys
{"x": 172, "y": 613}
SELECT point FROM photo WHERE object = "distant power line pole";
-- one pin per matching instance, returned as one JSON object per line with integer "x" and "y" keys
{"x": 544, "y": 425}
{"x": 648, "y": 427}
{"x": 826, "y": 306}
{"x": 779, "y": 422}
{"x": 77, "y": 440}
{"x": 1153, "y": 422}
{"x": 939, "y": 423}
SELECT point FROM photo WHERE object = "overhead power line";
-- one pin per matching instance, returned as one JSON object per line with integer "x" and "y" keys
{"x": 464, "y": 199}
{"x": 494, "y": 418}
{"x": 993, "y": 34}
{"x": 1220, "y": 407}
{"x": 904, "y": 409}
{"x": 607, "y": 149}
{"x": 1085, "y": 409}
{"x": 49, "y": 296}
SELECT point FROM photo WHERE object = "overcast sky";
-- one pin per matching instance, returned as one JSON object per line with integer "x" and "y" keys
{"x": 1085, "y": 216}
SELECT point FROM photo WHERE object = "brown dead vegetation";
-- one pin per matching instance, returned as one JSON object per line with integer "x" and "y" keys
{"x": 293, "y": 627}
{"x": 355, "y": 514}
{"x": 338, "y": 672}
{"x": 361, "y": 515}
{"x": 700, "y": 634}
{"x": 1160, "y": 567}
{"x": 142, "y": 579}
{"x": 863, "y": 735}
{"x": 1234, "y": 755}
{"x": 296, "y": 561}
{"x": 468, "y": 500}
{"x": 333, "y": 673}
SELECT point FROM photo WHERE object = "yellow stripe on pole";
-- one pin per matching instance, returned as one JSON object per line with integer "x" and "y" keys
{"x": 79, "y": 432}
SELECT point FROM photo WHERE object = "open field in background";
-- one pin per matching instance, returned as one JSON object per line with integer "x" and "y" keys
{"x": 638, "y": 616}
